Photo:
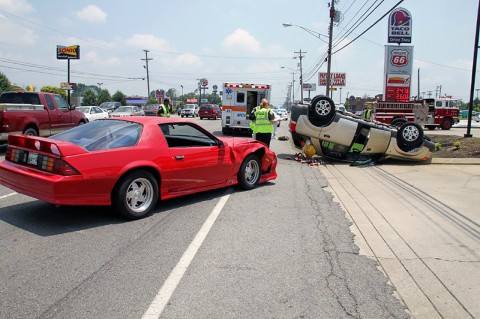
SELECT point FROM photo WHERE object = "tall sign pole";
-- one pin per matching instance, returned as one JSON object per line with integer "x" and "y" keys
{"x": 474, "y": 70}
{"x": 330, "y": 36}
{"x": 68, "y": 53}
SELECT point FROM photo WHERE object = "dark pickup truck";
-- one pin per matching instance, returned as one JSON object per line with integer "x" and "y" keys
{"x": 36, "y": 113}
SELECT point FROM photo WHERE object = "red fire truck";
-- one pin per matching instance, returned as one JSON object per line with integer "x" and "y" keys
{"x": 431, "y": 113}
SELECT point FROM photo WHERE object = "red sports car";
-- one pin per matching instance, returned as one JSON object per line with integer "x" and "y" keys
{"x": 131, "y": 163}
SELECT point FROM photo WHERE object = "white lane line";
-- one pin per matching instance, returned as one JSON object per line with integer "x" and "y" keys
{"x": 8, "y": 195}
{"x": 165, "y": 293}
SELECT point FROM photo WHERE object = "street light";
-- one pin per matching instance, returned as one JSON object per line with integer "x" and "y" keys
{"x": 318, "y": 35}
{"x": 293, "y": 82}
{"x": 314, "y": 33}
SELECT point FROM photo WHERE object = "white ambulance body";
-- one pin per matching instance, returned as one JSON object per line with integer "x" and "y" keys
{"x": 238, "y": 101}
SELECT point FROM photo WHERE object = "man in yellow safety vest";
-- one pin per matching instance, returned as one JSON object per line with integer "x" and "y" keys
{"x": 263, "y": 119}
{"x": 165, "y": 108}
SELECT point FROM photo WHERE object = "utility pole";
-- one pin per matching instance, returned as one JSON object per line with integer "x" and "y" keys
{"x": 330, "y": 36}
{"x": 146, "y": 67}
{"x": 301, "y": 74}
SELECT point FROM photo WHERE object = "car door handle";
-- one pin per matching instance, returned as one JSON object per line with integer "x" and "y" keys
{"x": 179, "y": 157}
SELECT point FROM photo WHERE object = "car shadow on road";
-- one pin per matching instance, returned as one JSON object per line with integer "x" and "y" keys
{"x": 44, "y": 219}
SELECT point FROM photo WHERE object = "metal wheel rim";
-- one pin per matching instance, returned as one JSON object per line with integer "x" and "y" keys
{"x": 410, "y": 133}
{"x": 323, "y": 107}
{"x": 139, "y": 195}
{"x": 252, "y": 171}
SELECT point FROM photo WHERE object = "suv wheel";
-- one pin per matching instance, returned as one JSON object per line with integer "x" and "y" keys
{"x": 321, "y": 111}
{"x": 410, "y": 136}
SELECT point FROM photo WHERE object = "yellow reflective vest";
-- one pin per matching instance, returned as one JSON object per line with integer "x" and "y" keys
{"x": 166, "y": 111}
{"x": 262, "y": 123}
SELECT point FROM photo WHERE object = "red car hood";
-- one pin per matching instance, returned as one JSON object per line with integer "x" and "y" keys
{"x": 236, "y": 140}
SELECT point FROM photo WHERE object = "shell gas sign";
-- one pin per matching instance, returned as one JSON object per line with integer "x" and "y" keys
{"x": 68, "y": 53}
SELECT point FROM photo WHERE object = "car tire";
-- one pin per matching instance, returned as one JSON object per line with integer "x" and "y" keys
{"x": 249, "y": 173}
{"x": 410, "y": 136}
{"x": 446, "y": 124}
{"x": 431, "y": 127}
{"x": 30, "y": 131}
{"x": 136, "y": 195}
{"x": 398, "y": 122}
{"x": 321, "y": 111}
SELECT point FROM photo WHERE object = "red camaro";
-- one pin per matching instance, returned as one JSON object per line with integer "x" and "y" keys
{"x": 131, "y": 163}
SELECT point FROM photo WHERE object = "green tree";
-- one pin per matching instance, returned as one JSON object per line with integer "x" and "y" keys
{"x": 89, "y": 97}
{"x": 103, "y": 96}
{"x": 5, "y": 84}
{"x": 55, "y": 90}
{"x": 119, "y": 97}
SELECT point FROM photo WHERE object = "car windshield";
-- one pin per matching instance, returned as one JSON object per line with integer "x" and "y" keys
{"x": 102, "y": 134}
{"x": 107, "y": 104}
{"x": 124, "y": 109}
{"x": 151, "y": 107}
{"x": 83, "y": 109}
{"x": 189, "y": 107}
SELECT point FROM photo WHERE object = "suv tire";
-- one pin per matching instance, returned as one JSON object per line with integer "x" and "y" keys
{"x": 321, "y": 111}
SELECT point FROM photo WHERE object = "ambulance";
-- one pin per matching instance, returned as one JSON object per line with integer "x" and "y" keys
{"x": 239, "y": 100}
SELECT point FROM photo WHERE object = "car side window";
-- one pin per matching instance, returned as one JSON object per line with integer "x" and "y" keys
{"x": 49, "y": 100}
{"x": 186, "y": 135}
{"x": 61, "y": 104}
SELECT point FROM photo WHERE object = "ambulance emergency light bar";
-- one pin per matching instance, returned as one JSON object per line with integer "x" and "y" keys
{"x": 247, "y": 86}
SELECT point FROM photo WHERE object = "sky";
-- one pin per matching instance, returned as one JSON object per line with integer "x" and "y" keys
{"x": 233, "y": 41}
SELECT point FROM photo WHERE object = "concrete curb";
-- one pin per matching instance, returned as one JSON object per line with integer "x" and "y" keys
{"x": 456, "y": 161}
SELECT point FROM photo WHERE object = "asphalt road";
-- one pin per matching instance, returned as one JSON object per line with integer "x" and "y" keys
{"x": 266, "y": 253}
{"x": 289, "y": 249}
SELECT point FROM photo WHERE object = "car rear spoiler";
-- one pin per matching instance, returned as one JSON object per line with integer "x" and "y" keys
{"x": 44, "y": 145}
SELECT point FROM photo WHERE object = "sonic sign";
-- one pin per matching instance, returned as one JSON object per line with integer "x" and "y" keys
{"x": 68, "y": 53}
{"x": 400, "y": 26}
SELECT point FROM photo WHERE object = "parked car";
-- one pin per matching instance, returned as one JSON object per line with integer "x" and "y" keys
{"x": 210, "y": 111}
{"x": 189, "y": 110}
{"x": 282, "y": 113}
{"x": 179, "y": 109}
{"x": 359, "y": 113}
{"x": 151, "y": 110}
{"x": 127, "y": 163}
{"x": 340, "y": 136}
{"x": 128, "y": 110}
{"x": 110, "y": 106}
{"x": 93, "y": 113}
{"x": 36, "y": 113}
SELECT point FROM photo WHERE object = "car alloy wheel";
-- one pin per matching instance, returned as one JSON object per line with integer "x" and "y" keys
{"x": 249, "y": 173}
{"x": 321, "y": 111}
{"x": 410, "y": 136}
{"x": 136, "y": 195}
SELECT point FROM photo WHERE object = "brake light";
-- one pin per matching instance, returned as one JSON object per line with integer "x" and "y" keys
{"x": 43, "y": 162}
{"x": 292, "y": 126}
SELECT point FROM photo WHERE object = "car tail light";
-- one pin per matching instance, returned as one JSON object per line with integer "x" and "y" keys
{"x": 52, "y": 164}
{"x": 292, "y": 126}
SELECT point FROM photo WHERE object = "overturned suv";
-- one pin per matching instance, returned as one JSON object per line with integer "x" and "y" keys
{"x": 343, "y": 136}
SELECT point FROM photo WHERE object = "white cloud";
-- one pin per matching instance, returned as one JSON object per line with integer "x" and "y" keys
{"x": 187, "y": 59}
{"x": 92, "y": 56}
{"x": 92, "y": 14}
{"x": 16, "y": 6}
{"x": 16, "y": 35}
{"x": 242, "y": 40}
{"x": 147, "y": 41}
